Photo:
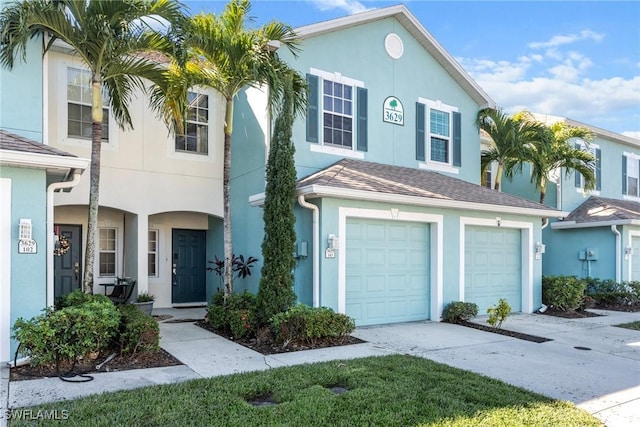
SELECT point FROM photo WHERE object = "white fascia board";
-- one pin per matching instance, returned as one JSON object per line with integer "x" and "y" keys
{"x": 563, "y": 225}
{"x": 343, "y": 193}
{"x": 42, "y": 161}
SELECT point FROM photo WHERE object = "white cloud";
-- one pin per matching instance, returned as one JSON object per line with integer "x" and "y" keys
{"x": 561, "y": 90}
{"x": 560, "y": 40}
{"x": 349, "y": 6}
{"x": 632, "y": 134}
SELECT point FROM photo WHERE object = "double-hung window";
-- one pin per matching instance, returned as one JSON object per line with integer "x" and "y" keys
{"x": 107, "y": 246}
{"x": 631, "y": 175}
{"x": 196, "y": 128}
{"x": 79, "y": 102}
{"x": 594, "y": 150}
{"x": 152, "y": 264}
{"x": 336, "y": 113}
{"x": 438, "y": 134}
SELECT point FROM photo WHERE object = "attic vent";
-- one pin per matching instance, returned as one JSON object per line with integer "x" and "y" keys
{"x": 393, "y": 45}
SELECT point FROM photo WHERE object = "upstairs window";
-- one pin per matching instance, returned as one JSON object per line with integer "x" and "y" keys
{"x": 594, "y": 150}
{"x": 196, "y": 136}
{"x": 438, "y": 133}
{"x": 79, "y": 101}
{"x": 630, "y": 174}
{"x": 341, "y": 105}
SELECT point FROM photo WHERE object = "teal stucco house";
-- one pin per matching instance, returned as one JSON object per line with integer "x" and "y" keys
{"x": 30, "y": 172}
{"x": 391, "y": 220}
{"x": 600, "y": 236}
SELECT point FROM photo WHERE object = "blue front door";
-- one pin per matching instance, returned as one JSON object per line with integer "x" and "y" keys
{"x": 189, "y": 266}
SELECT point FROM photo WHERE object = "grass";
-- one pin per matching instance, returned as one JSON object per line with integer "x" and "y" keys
{"x": 382, "y": 391}
{"x": 632, "y": 325}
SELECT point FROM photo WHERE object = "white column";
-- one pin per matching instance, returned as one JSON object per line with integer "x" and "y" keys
{"x": 5, "y": 269}
{"x": 143, "y": 251}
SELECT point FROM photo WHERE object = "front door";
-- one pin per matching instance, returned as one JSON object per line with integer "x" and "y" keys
{"x": 189, "y": 266}
{"x": 67, "y": 260}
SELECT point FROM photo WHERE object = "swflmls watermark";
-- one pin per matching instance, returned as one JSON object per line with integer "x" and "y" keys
{"x": 33, "y": 415}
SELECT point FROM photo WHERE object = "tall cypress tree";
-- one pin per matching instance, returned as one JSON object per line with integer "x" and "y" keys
{"x": 276, "y": 284}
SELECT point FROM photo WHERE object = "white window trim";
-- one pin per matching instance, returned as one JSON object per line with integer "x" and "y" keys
{"x": 635, "y": 157}
{"x": 320, "y": 147}
{"x": 436, "y": 250}
{"x": 62, "y": 121}
{"x": 527, "y": 258}
{"x": 208, "y": 124}
{"x": 592, "y": 148}
{"x": 156, "y": 253}
{"x": 431, "y": 164}
{"x": 115, "y": 251}
{"x": 192, "y": 155}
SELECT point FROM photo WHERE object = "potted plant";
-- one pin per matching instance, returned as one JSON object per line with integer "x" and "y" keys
{"x": 144, "y": 302}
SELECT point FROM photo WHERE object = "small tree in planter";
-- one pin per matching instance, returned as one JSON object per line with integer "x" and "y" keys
{"x": 144, "y": 302}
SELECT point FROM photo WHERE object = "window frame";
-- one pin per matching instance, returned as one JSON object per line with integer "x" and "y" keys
{"x": 428, "y": 162}
{"x": 113, "y": 251}
{"x": 153, "y": 253}
{"x": 631, "y": 158}
{"x": 320, "y": 145}
{"x": 197, "y": 123}
{"x": 82, "y": 103}
{"x": 592, "y": 149}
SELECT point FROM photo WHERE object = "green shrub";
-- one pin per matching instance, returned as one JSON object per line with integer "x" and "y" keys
{"x": 458, "y": 311}
{"x": 498, "y": 314}
{"x": 562, "y": 292}
{"x": 235, "y": 316}
{"x": 78, "y": 297}
{"x": 610, "y": 293}
{"x": 139, "y": 332}
{"x": 69, "y": 333}
{"x": 304, "y": 324}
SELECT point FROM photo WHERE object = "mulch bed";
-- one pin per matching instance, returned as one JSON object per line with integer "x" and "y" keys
{"x": 120, "y": 363}
{"x": 575, "y": 314}
{"x": 267, "y": 346}
{"x": 500, "y": 331}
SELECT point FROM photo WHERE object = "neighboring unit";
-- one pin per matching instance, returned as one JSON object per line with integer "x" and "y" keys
{"x": 392, "y": 223}
{"x": 601, "y": 235}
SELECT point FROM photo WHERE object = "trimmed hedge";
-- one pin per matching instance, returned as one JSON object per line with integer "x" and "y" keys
{"x": 563, "y": 292}
{"x": 458, "y": 311}
{"x": 304, "y": 324}
{"x": 235, "y": 316}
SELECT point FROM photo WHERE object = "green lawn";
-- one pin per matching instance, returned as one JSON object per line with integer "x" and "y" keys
{"x": 382, "y": 391}
{"x": 633, "y": 325}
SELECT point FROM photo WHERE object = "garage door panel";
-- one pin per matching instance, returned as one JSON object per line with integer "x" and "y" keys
{"x": 493, "y": 267}
{"x": 393, "y": 271}
{"x": 635, "y": 258}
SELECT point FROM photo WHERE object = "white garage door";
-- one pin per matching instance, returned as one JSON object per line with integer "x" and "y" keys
{"x": 635, "y": 258}
{"x": 492, "y": 267}
{"x": 387, "y": 271}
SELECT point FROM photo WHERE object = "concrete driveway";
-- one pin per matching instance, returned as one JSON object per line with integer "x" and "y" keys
{"x": 604, "y": 380}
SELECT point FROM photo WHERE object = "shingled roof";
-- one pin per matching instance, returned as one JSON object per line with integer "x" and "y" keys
{"x": 376, "y": 178}
{"x": 600, "y": 209}
{"x": 12, "y": 142}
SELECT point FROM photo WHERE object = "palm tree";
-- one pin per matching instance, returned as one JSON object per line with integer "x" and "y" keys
{"x": 230, "y": 56}
{"x": 555, "y": 151}
{"x": 511, "y": 142}
{"x": 108, "y": 36}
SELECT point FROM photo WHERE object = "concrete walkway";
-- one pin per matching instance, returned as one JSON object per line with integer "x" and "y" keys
{"x": 604, "y": 380}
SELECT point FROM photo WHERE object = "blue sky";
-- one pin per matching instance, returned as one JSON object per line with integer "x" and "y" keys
{"x": 566, "y": 58}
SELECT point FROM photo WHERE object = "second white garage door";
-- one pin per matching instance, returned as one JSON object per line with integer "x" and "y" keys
{"x": 492, "y": 267}
{"x": 387, "y": 271}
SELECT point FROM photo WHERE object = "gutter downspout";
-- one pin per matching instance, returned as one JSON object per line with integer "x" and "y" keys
{"x": 316, "y": 248}
{"x": 614, "y": 229}
{"x": 50, "y": 190}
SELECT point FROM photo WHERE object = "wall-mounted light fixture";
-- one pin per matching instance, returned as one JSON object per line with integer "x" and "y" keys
{"x": 540, "y": 249}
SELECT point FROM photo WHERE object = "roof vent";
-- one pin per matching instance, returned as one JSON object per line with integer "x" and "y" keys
{"x": 394, "y": 46}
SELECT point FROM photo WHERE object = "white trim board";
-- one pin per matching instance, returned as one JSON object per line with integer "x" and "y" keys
{"x": 435, "y": 253}
{"x": 631, "y": 235}
{"x": 5, "y": 269}
{"x": 526, "y": 229}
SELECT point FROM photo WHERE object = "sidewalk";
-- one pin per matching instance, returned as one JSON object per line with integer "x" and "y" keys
{"x": 605, "y": 380}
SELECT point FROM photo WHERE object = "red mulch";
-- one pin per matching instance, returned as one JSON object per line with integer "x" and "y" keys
{"x": 120, "y": 363}
{"x": 266, "y": 345}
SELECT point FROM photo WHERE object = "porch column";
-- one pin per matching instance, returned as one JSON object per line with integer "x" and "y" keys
{"x": 143, "y": 253}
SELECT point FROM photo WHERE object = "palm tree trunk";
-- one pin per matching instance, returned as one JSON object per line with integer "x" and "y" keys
{"x": 498, "y": 176}
{"x": 94, "y": 186}
{"x": 226, "y": 195}
{"x": 543, "y": 189}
